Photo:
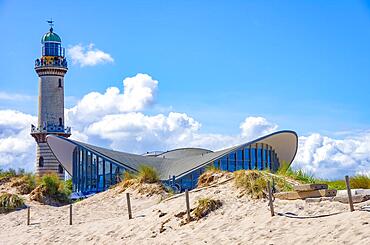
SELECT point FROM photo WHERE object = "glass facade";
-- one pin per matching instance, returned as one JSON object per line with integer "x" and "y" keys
{"x": 256, "y": 156}
{"x": 93, "y": 172}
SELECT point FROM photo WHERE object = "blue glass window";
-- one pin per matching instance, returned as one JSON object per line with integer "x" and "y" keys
{"x": 186, "y": 182}
{"x": 195, "y": 177}
{"x": 259, "y": 157}
{"x": 232, "y": 162}
{"x": 114, "y": 174}
{"x": 94, "y": 172}
{"x": 100, "y": 173}
{"x": 108, "y": 174}
{"x": 88, "y": 171}
{"x": 224, "y": 164}
{"x": 216, "y": 164}
{"x": 265, "y": 157}
{"x": 239, "y": 160}
{"x": 247, "y": 158}
{"x": 253, "y": 158}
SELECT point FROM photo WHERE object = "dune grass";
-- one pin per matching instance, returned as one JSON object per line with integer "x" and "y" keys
{"x": 360, "y": 182}
{"x": 51, "y": 190}
{"x": 10, "y": 202}
{"x": 24, "y": 184}
{"x": 204, "y": 206}
{"x": 147, "y": 174}
{"x": 209, "y": 176}
{"x": 251, "y": 182}
{"x": 146, "y": 181}
{"x": 356, "y": 182}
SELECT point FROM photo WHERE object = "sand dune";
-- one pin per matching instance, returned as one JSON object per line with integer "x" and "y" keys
{"x": 102, "y": 219}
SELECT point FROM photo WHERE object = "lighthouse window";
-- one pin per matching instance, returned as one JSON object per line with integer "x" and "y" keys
{"x": 41, "y": 161}
{"x": 60, "y": 83}
{"x": 60, "y": 121}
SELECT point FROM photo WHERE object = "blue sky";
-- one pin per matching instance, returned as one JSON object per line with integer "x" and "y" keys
{"x": 302, "y": 64}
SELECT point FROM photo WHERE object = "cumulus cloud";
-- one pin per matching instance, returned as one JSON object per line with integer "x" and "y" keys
{"x": 140, "y": 133}
{"x": 253, "y": 127}
{"x": 88, "y": 55}
{"x": 326, "y": 157}
{"x": 17, "y": 147}
{"x": 138, "y": 93}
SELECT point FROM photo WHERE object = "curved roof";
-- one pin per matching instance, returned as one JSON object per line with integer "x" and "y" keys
{"x": 178, "y": 162}
{"x": 50, "y": 37}
{"x": 183, "y": 152}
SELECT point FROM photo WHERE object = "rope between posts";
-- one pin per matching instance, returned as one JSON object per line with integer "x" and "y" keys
{"x": 295, "y": 216}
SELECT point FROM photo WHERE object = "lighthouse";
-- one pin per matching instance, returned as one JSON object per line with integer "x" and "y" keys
{"x": 51, "y": 69}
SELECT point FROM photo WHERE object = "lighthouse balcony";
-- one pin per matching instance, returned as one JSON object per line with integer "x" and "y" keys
{"x": 51, "y": 62}
{"x": 51, "y": 129}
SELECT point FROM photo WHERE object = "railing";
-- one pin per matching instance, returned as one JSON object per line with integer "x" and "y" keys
{"x": 53, "y": 63}
{"x": 51, "y": 129}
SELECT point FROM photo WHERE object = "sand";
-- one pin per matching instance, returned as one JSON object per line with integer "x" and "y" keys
{"x": 103, "y": 219}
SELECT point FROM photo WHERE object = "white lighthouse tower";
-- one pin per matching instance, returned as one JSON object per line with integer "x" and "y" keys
{"x": 50, "y": 68}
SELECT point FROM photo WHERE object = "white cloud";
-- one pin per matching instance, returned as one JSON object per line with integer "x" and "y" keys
{"x": 137, "y": 132}
{"x": 333, "y": 158}
{"x": 17, "y": 147}
{"x": 254, "y": 127}
{"x": 88, "y": 55}
{"x": 138, "y": 94}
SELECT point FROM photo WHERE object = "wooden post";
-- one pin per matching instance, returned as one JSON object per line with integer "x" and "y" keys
{"x": 128, "y": 205}
{"x": 270, "y": 199}
{"x": 70, "y": 214}
{"x": 349, "y": 194}
{"x": 187, "y": 204}
{"x": 28, "y": 215}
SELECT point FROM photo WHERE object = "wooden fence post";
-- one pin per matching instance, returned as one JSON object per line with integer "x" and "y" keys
{"x": 28, "y": 215}
{"x": 350, "y": 201}
{"x": 128, "y": 206}
{"x": 70, "y": 214}
{"x": 187, "y": 205}
{"x": 270, "y": 199}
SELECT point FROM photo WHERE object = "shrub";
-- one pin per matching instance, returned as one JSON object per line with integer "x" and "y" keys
{"x": 10, "y": 202}
{"x": 209, "y": 176}
{"x": 68, "y": 186}
{"x": 205, "y": 206}
{"x": 24, "y": 184}
{"x": 360, "y": 182}
{"x": 251, "y": 182}
{"x": 147, "y": 174}
{"x": 51, "y": 190}
{"x": 128, "y": 175}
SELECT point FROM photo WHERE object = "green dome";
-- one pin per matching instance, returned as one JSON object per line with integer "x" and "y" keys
{"x": 50, "y": 37}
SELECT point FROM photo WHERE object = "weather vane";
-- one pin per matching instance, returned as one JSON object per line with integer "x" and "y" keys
{"x": 50, "y": 22}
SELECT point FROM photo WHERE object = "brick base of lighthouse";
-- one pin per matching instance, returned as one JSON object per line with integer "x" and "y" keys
{"x": 49, "y": 163}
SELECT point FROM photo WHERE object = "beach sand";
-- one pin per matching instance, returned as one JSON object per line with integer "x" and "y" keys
{"x": 103, "y": 219}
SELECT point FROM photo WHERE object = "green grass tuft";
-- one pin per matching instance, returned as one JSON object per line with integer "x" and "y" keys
{"x": 205, "y": 206}
{"x": 51, "y": 190}
{"x": 10, "y": 202}
{"x": 24, "y": 184}
{"x": 360, "y": 182}
{"x": 251, "y": 182}
{"x": 147, "y": 174}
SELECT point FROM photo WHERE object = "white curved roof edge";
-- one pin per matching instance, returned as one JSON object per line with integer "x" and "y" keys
{"x": 284, "y": 142}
